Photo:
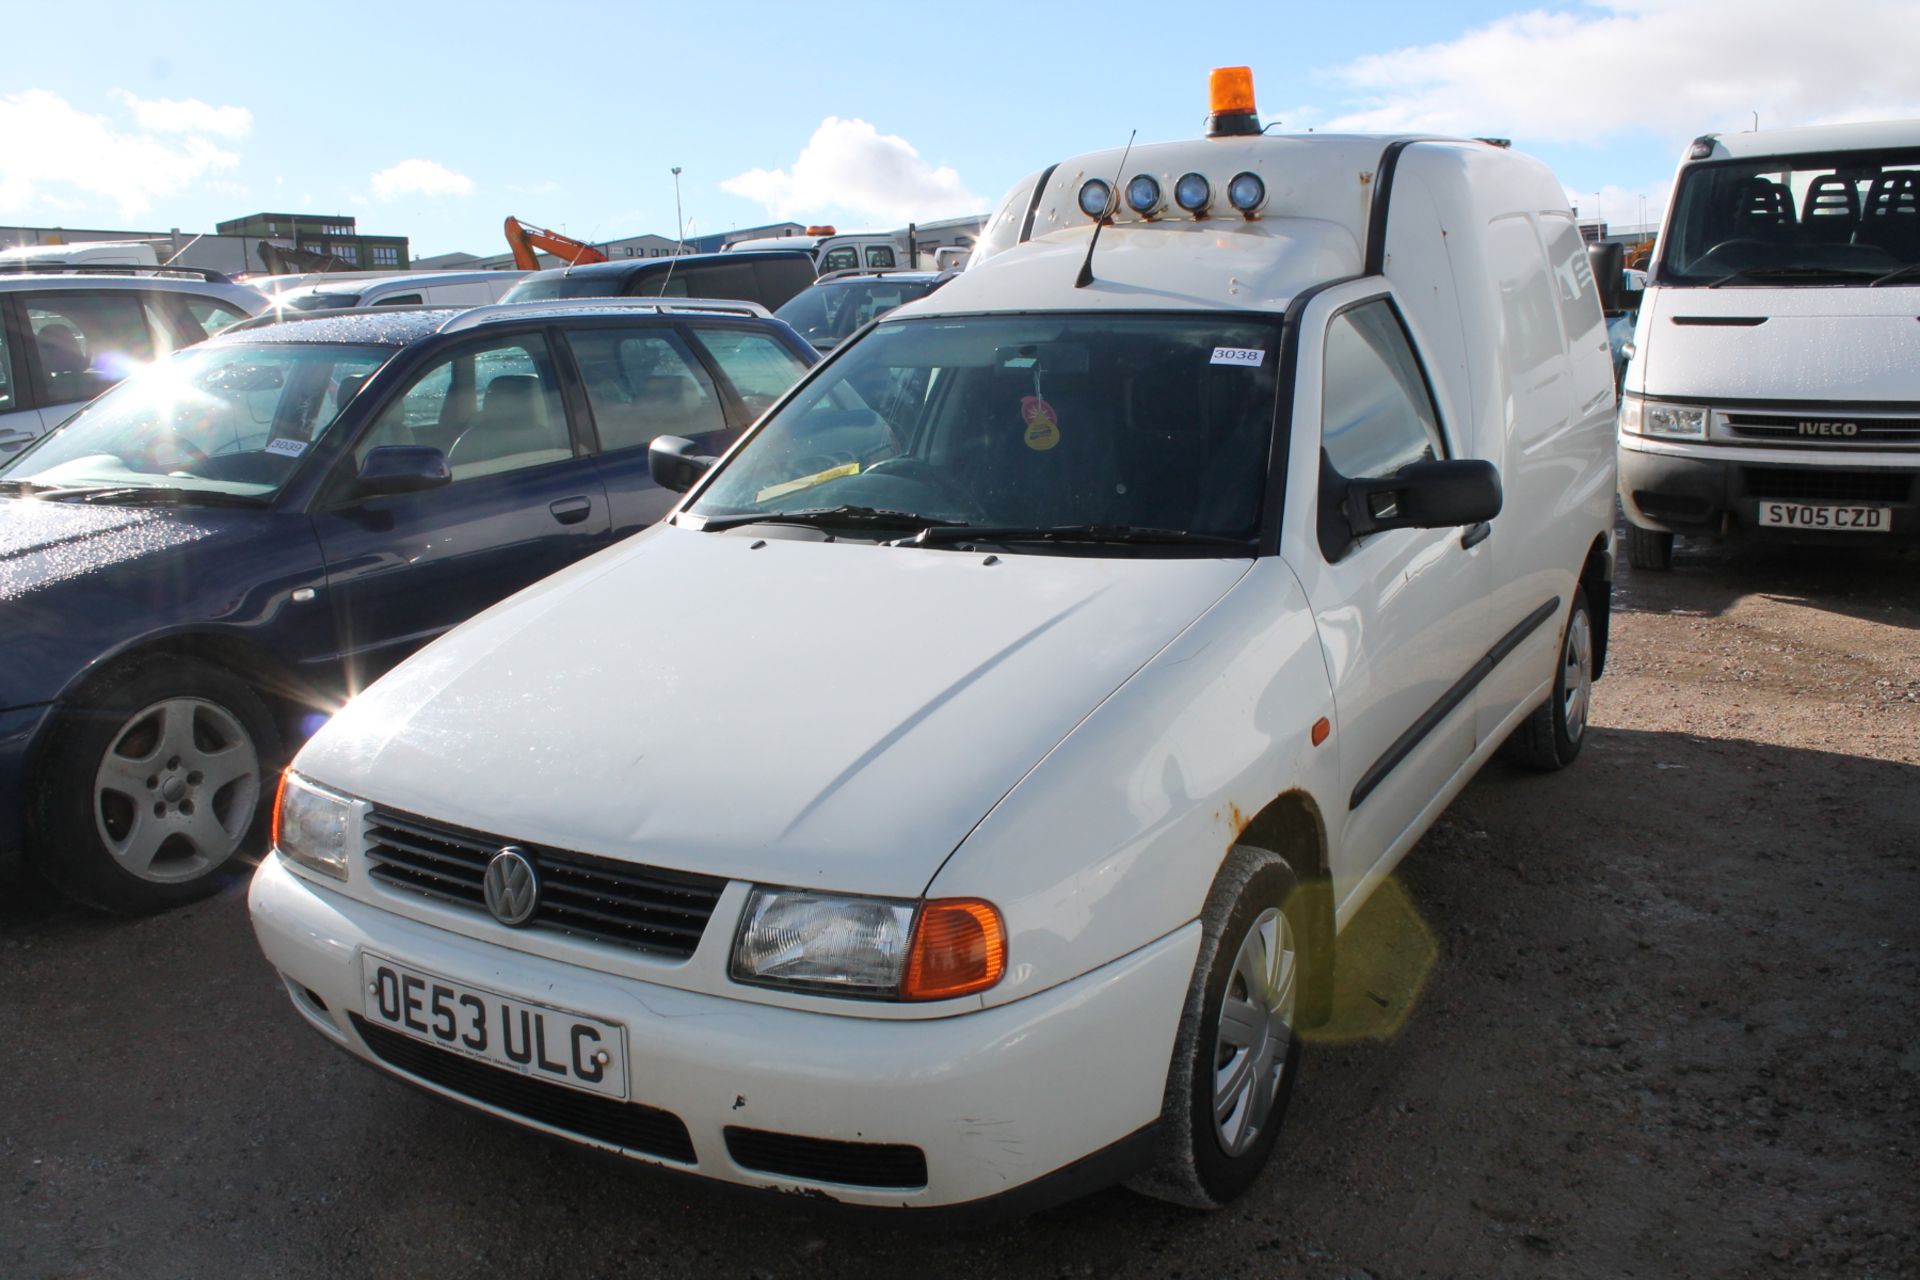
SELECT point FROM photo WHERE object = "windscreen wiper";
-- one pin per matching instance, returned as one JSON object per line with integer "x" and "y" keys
{"x": 1900, "y": 273}
{"x": 818, "y": 517}
{"x": 1135, "y": 535}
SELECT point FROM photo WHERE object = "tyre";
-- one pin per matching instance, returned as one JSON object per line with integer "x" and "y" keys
{"x": 1550, "y": 738}
{"x": 152, "y": 785}
{"x": 1236, "y": 1052}
{"x": 1649, "y": 549}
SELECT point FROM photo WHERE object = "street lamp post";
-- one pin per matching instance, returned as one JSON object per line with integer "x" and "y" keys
{"x": 679, "y": 223}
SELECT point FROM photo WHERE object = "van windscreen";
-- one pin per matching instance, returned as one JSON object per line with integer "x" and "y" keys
{"x": 1037, "y": 422}
{"x": 1849, "y": 217}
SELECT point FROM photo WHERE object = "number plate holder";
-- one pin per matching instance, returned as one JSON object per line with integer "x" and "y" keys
{"x": 538, "y": 1041}
{"x": 1825, "y": 516}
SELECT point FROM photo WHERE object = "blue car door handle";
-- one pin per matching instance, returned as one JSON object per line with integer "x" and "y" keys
{"x": 571, "y": 510}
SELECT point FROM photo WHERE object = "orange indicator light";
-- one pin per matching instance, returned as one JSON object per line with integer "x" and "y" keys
{"x": 1230, "y": 90}
{"x": 1320, "y": 730}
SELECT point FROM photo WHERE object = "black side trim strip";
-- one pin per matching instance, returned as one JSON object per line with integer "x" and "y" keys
{"x": 1376, "y": 262}
{"x": 1403, "y": 745}
{"x": 1726, "y": 322}
{"x": 1033, "y": 205}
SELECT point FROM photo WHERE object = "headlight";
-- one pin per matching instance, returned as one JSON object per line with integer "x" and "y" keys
{"x": 311, "y": 825}
{"x": 1246, "y": 192}
{"x": 1143, "y": 195}
{"x": 1656, "y": 418}
{"x": 881, "y": 948}
{"x": 1096, "y": 198}
{"x": 1193, "y": 192}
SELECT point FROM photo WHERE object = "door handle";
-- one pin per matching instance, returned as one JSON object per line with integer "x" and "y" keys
{"x": 571, "y": 510}
{"x": 1476, "y": 534}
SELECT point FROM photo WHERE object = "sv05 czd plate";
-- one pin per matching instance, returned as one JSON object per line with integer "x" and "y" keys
{"x": 1806, "y": 515}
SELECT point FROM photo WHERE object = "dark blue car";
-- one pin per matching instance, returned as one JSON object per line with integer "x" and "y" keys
{"x": 208, "y": 559}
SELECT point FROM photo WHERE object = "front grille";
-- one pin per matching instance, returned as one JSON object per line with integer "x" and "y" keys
{"x": 662, "y": 912}
{"x": 1827, "y": 484}
{"x": 1778, "y": 428}
{"x": 853, "y": 1164}
{"x": 647, "y": 1130}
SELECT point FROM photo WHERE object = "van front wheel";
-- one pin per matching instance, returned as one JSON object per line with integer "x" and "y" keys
{"x": 1237, "y": 1049}
{"x": 1649, "y": 549}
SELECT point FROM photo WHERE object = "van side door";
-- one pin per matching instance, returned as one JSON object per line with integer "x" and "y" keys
{"x": 1401, "y": 614}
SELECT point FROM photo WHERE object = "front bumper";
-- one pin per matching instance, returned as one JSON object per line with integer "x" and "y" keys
{"x": 19, "y": 728}
{"x": 997, "y": 1099}
{"x": 1713, "y": 490}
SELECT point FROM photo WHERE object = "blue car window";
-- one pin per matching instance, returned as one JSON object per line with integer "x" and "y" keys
{"x": 491, "y": 408}
{"x": 645, "y": 384}
{"x": 759, "y": 368}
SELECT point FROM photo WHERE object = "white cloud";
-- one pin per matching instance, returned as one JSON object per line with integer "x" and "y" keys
{"x": 1678, "y": 67}
{"x": 54, "y": 149}
{"x": 848, "y": 166}
{"x": 421, "y": 178}
{"x": 163, "y": 115}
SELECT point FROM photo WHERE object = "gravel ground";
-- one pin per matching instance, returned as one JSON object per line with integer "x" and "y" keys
{"x": 1652, "y": 1016}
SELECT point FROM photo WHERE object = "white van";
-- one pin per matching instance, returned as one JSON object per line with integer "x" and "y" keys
{"x": 87, "y": 253}
{"x": 837, "y": 250}
{"x": 1774, "y": 389}
{"x": 420, "y": 289}
{"x": 958, "y": 799}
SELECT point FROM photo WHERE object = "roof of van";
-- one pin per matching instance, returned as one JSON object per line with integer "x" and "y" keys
{"x": 1874, "y": 135}
{"x": 1313, "y": 228}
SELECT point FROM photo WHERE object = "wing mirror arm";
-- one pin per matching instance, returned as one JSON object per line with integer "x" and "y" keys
{"x": 676, "y": 462}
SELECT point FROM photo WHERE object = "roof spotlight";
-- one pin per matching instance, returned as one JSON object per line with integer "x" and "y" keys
{"x": 1246, "y": 192}
{"x": 1193, "y": 192}
{"x": 1143, "y": 195}
{"x": 1096, "y": 198}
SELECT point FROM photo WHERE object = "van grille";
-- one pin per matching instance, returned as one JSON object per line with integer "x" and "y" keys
{"x": 1827, "y": 484}
{"x": 647, "y": 1130}
{"x": 661, "y": 912}
{"x": 1779, "y": 428}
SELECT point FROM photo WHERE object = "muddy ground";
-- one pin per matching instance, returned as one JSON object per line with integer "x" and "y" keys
{"x": 1654, "y": 1016}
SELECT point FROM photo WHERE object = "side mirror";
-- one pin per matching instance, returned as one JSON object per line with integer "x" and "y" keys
{"x": 675, "y": 462}
{"x": 1442, "y": 494}
{"x": 402, "y": 468}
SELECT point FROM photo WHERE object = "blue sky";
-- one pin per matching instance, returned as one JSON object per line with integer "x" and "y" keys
{"x": 436, "y": 120}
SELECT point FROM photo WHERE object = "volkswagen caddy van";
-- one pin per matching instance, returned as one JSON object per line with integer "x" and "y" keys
{"x": 958, "y": 801}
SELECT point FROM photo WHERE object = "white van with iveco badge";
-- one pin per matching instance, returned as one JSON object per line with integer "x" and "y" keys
{"x": 957, "y": 801}
{"x": 1774, "y": 389}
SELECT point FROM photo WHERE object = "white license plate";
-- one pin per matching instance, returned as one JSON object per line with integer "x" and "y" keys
{"x": 1804, "y": 515}
{"x": 535, "y": 1040}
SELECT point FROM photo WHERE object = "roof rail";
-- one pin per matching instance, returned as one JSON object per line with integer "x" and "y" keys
{"x": 474, "y": 317}
{"x": 292, "y": 315}
{"x": 110, "y": 269}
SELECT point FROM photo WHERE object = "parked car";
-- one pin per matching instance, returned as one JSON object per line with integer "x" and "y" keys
{"x": 959, "y": 798}
{"x": 416, "y": 289}
{"x": 827, "y": 313}
{"x": 1774, "y": 390}
{"x": 768, "y": 278}
{"x": 68, "y": 333}
{"x": 242, "y": 535}
{"x": 834, "y": 250}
